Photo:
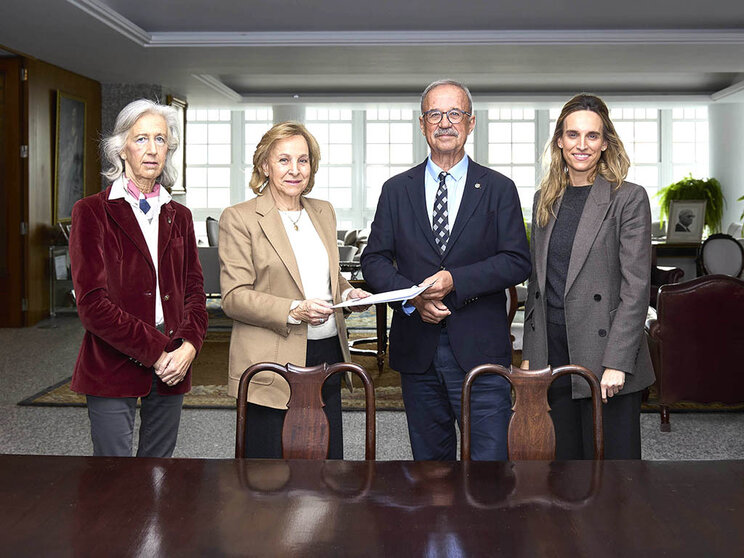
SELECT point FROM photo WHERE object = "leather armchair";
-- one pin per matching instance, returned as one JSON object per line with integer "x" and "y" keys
{"x": 663, "y": 276}
{"x": 697, "y": 342}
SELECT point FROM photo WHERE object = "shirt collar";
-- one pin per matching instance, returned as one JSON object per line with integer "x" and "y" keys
{"x": 457, "y": 172}
{"x": 119, "y": 190}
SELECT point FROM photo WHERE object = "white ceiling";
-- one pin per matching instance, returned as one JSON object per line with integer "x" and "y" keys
{"x": 234, "y": 51}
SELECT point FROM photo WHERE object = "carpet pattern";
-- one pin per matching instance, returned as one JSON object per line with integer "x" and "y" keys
{"x": 209, "y": 377}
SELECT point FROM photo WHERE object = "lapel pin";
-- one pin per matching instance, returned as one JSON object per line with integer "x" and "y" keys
{"x": 477, "y": 184}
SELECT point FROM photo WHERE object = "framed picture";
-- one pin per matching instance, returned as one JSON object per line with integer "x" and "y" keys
{"x": 686, "y": 221}
{"x": 69, "y": 156}
{"x": 179, "y": 157}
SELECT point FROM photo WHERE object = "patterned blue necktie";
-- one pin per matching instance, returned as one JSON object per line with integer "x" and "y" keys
{"x": 144, "y": 206}
{"x": 440, "y": 220}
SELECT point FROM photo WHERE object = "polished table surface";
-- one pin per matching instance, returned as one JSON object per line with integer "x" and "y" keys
{"x": 84, "y": 506}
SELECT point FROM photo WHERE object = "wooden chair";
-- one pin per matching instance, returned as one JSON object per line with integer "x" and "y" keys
{"x": 531, "y": 434}
{"x": 305, "y": 432}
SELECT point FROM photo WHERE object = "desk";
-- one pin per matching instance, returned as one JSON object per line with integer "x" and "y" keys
{"x": 198, "y": 507}
{"x": 683, "y": 256}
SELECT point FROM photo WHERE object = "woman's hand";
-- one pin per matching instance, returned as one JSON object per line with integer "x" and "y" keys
{"x": 612, "y": 382}
{"x": 314, "y": 311}
{"x": 358, "y": 294}
{"x": 525, "y": 365}
{"x": 172, "y": 369}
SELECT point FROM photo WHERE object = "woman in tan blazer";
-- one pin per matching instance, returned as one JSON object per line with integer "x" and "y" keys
{"x": 588, "y": 293}
{"x": 279, "y": 275}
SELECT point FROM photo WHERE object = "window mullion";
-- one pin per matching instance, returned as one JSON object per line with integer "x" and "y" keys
{"x": 358, "y": 157}
{"x": 237, "y": 174}
{"x": 666, "y": 167}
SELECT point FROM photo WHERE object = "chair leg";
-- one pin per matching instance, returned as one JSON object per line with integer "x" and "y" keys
{"x": 665, "y": 426}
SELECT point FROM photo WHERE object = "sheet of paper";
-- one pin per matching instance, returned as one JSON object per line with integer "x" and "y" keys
{"x": 390, "y": 296}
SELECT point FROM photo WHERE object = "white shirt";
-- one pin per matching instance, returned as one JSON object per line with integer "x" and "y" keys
{"x": 149, "y": 225}
{"x": 455, "y": 181}
{"x": 312, "y": 260}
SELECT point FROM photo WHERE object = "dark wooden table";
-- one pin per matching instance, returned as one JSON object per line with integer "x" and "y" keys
{"x": 85, "y": 506}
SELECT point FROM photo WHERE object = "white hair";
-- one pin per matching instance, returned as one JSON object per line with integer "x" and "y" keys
{"x": 113, "y": 145}
{"x": 447, "y": 82}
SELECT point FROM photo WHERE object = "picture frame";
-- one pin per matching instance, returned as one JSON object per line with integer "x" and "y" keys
{"x": 686, "y": 221}
{"x": 69, "y": 156}
{"x": 179, "y": 156}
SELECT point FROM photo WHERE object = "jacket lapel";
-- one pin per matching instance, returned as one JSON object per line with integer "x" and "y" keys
{"x": 541, "y": 248}
{"x": 597, "y": 205}
{"x": 271, "y": 223}
{"x": 165, "y": 228}
{"x": 417, "y": 196}
{"x": 471, "y": 197}
{"x": 121, "y": 213}
{"x": 327, "y": 236}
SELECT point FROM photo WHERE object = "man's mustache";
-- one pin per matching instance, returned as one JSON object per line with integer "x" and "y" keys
{"x": 445, "y": 132}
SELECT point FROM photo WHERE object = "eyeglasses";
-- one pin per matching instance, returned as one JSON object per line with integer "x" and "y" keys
{"x": 435, "y": 116}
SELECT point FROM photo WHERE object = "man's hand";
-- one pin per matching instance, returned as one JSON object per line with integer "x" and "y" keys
{"x": 173, "y": 368}
{"x": 431, "y": 311}
{"x": 525, "y": 365}
{"x": 612, "y": 382}
{"x": 442, "y": 286}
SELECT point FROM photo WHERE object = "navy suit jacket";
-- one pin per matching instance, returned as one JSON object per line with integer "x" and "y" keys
{"x": 487, "y": 252}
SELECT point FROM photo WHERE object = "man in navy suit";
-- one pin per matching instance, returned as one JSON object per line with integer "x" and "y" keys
{"x": 454, "y": 223}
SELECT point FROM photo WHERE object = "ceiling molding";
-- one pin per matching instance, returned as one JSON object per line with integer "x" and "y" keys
{"x": 505, "y": 37}
{"x": 217, "y": 85}
{"x": 122, "y": 25}
{"x": 114, "y": 20}
{"x": 728, "y": 92}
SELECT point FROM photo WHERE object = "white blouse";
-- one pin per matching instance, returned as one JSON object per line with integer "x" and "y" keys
{"x": 312, "y": 260}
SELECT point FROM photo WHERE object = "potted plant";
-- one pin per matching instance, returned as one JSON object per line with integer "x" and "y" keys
{"x": 690, "y": 188}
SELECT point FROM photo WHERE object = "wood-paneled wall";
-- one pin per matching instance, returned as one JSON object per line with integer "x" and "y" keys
{"x": 43, "y": 82}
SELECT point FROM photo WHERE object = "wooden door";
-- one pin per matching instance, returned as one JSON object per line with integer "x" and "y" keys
{"x": 12, "y": 188}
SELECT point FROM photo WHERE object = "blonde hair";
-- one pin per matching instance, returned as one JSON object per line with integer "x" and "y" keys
{"x": 613, "y": 161}
{"x": 279, "y": 132}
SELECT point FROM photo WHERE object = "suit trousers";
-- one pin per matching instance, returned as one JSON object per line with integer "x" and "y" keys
{"x": 112, "y": 424}
{"x": 263, "y": 432}
{"x": 572, "y": 418}
{"x": 433, "y": 407}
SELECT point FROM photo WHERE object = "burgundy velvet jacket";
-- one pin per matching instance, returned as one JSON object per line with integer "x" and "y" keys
{"x": 114, "y": 280}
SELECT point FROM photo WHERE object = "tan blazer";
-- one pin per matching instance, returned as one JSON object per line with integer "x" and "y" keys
{"x": 259, "y": 279}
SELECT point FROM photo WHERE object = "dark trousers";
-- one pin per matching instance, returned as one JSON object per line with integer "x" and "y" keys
{"x": 112, "y": 424}
{"x": 263, "y": 433}
{"x": 433, "y": 407}
{"x": 572, "y": 418}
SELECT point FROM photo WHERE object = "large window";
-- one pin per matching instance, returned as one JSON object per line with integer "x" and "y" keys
{"x": 333, "y": 130}
{"x": 511, "y": 147}
{"x": 362, "y": 147}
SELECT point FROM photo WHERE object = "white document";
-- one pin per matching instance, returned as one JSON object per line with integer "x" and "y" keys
{"x": 382, "y": 298}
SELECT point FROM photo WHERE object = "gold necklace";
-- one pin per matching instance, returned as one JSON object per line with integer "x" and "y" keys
{"x": 295, "y": 221}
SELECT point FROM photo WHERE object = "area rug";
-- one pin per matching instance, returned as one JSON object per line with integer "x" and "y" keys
{"x": 209, "y": 377}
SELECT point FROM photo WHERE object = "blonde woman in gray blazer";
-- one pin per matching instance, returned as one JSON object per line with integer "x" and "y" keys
{"x": 279, "y": 275}
{"x": 589, "y": 289}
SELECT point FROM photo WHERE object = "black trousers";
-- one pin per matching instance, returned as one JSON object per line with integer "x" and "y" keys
{"x": 263, "y": 433}
{"x": 572, "y": 418}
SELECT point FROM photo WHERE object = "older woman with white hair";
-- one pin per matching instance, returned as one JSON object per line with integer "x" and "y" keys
{"x": 139, "y": 288}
